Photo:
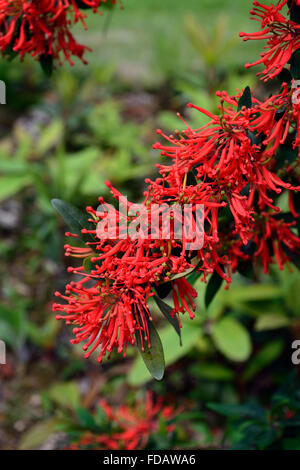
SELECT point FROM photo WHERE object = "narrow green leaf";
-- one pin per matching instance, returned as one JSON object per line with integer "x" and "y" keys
{"x": 46, "y": 62}
{"x": 164, "y": 289}
{"x": 75, "y": 219}
{"x": 180, "y": 275}
{"x": 166, "y": 311}
{"x": 191, "y": 332}
{"x": 38, "y": 434}
{"x": 191, "y": 179}
{"x": 247, "y": 410}
{"x": 294, "y": 12}
{"x": 295, "y": 65}
{"x": 87, "y": 265}
{"x": 245, "y": 99}
{"x": 267, "y": 355}
{"x": 212, "y": 288}
{"x": 153, "y": 357}
{"x": 285, "y": 76}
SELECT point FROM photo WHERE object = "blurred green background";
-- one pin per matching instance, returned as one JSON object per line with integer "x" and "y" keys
{"x": 63, "y": 137}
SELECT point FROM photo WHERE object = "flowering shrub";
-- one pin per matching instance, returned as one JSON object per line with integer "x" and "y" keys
{"x": 42, "y": 28}
{"x": 129, "y": 427}
{"x": 237, "y": 168}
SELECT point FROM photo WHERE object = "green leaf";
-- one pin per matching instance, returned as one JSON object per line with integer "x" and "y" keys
{"x": 46, "y": 62}
{"x": 181, "y": 275}
{"x": 85, "y": 418}
{"x": 295, "y": 65}
{"x": 190, "y": 335}
{"x": 38, "y": 434}
{"x": 247, "y": 410}
{"x": 211, "y": 371}
{"x": 191, "y": 179}
{"x": 50, "y": 136}
{"x": 294, "y": 12}
{"x": 75, "y": 219}
{"x": 65, "y": 394}
{"x": 166, "y": 311}
{"x": 153, "y": 357}
{"x": 285, "y": 76}
{"x": 267, "y": 355}
{"x": 271, "y": 322}
{"x": 164, "y": 289}
{"x": 212, "y": 288}
{"x": 87, "y": 264}
{"x": 232, "y": 339}
{"x": 245, "y": 99}
{"x": 12, "y": 184}
{"x": 253, "y": 293}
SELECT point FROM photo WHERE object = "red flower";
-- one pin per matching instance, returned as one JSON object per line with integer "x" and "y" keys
{"x": 132, "y": 426}
{"x": 282, "y": 37}
{"x": 42, "y": 28}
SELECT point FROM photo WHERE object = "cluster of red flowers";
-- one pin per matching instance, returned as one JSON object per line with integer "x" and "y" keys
{"x": 42, "y": 28}
{"x": 282, "y": 36}
{"x": 131, "y": 426}
{"x": 231, "y": 168}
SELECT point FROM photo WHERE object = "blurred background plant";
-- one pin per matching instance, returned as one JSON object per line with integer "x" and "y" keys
{"x": 63, "y": 137}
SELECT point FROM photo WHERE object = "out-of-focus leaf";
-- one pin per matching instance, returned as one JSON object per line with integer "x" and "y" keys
{"x": 12, "y": 184}
{"x": 247, "y": 410}
{"x": 212, "y": 371}
{"x": 271, "y": 322}
{"x": 252, "y": 293}
{"x": 267, "y": 355}
{"x": 65, "y": 394}
{"x": 50, "y": 136}
{"x": 232, "y": 339}
{"x": 46, "y": 62}
{"x": 38, "y": 434}
{"x": 212, "y": 288}
{"x": 85, "y": 418}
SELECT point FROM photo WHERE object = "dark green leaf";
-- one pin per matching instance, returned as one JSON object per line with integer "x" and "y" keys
{"x": 295, "y": 65}
{"x": 191, "y": 179}
{"x": 166, "y": 311}
{"x": 153, "y": 357}
{"x": 75, "y": 219}
{"x": 295, "y": 257}
{"x": 85, "y": 418}
{"x": 247, "y": 410}
{"x": 285, "y": 76}
{"x": 245, "y": 99}
{"x": 163, "y": 290}
{"x": 295, "y": 13}
{"x": 212, "y": 288}
{"x": 46, "y": 62}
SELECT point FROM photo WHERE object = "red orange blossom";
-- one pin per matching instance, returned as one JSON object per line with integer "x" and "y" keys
{"x": 42, "y": 28}
{"x": 232, "y": 166}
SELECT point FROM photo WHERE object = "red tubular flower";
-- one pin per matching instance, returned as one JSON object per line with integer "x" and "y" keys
{"x": 272, "y": 237}
{"x": 41, "y": 28}
{"x": 230, "y": 168}
{"x": 282, "y": 37}
{"x": 277, "y": 116}
{"x": 105, "y": 317}
{"x": 113, "y": 311}
{"x": 132, "y": 426}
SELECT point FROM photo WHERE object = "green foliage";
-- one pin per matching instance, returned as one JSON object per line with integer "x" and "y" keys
{"x": 250, "y": 426}
{"x": 153, "y": 356}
